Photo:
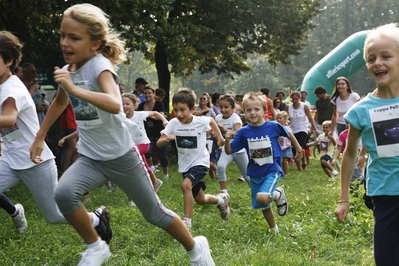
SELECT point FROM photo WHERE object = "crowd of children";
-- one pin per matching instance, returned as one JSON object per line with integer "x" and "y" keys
{"x": 206, "y": 142}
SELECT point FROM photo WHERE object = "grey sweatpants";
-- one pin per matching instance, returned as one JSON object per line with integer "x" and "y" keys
{"x": 41, "y": 180}
{"x": 225, "y": 159}
{"x": 127, "y": 172}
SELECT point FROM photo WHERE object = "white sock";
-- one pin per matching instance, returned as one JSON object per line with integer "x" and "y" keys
{"x": 278, "y": 194}
{"x": 221, "y": 200}
{"x": 223, "y": 191}
{"x": 95, "y": 244}
{"x": 96, "y": 220}
{"x": 275, "y": 229}
{"x": 188, "y": 220}
{"x": 195, "y": 253}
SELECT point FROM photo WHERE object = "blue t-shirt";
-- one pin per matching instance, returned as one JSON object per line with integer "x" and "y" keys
{"x": 262, "y": 146}
{"x": 378, "y": 121}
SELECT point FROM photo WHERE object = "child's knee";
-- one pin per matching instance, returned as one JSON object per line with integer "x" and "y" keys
{"x": 263, "y": 198}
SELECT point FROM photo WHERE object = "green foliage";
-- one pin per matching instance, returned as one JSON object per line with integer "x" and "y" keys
{"x": 309, "y": 233}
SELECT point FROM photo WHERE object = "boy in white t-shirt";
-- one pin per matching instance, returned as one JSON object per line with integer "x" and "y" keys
{"x": 189, "y": 133}
{"x": 327, "y": 145}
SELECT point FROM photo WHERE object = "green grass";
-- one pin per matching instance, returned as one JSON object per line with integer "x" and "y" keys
{"x": 309, "y": 228}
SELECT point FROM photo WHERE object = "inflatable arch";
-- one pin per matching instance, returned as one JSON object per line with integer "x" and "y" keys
{"x": 345, "y": 60}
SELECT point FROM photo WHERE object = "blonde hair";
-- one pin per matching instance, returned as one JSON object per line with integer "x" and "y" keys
{"x": 255, "y": 96}
{"x": 326, "y": 123}
{"x": 135, "y": 100}
{"x": 283, "y": 114}
{"x": 388, "y": 31}
{"x": 99, "y": 28}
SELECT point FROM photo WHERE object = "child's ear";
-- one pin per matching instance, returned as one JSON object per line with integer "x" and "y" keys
{"x": 193, "y": 109}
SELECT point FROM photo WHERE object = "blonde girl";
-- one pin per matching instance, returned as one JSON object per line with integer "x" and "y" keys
{"x": 285, "y": 143}
{"x": 229, "y": 120}
{"x": 107, "y": 151}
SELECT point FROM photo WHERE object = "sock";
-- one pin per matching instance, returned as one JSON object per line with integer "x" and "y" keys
{"x": 223, "y": 191}
{"x": 93, "y": 245}
{"x": 195, "y": 253}
{"x": 96, "y": 220}
{"x": 275, "y": 229}
{"x": 188, "y": 220}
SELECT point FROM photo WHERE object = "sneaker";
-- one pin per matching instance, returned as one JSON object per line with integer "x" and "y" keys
{"x": 103, "y": 229}
{"x": 166, "y": 176}
{"x": 224, "y": 208}
{"x": 205, "y": 259}
{"x": 158, "y": 185}
{"x": 95, "y": 256}
{"x": 241, "y": 179}
{"x": 334, "y": 172}
{"x": 187, "y": 225}
{"x": 304, "y": 167}
{"x": 20, "y": 221}
{"x": 131, "y": 203}
{"x": 281, "y": 202}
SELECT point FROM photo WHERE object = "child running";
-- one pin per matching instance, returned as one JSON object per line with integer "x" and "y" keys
{"x": 18, "y": 127}
{"x": 375, "y": 119}
{"x": 260, "y": 139}
{"x": 130, "y": 103}
{"x": 91, "y": 48}
{"x": 228, "y": 120}
{"x": 285, "y": 143}
{"x": 189, "y": 133}
{"x": 327, "y": 144}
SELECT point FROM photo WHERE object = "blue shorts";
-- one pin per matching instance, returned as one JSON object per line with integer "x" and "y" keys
{"x": 264, "y": 185}
{"x": 287, "y": 153}
{"x": 196, "y": 174}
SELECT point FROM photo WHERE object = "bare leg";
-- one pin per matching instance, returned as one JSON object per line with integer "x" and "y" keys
{"x": 268, "y": 214}
{"x": 188, "y": 197}
{"x": 81, "y": 221}
{"x": 180, "y": 232}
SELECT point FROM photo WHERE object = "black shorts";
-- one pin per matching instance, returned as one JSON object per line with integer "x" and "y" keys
{"x": 196, "y": 174}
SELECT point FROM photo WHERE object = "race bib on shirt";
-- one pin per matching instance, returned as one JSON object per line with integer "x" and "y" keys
{"x": 260, "y": 150}
{"x": 10, "y": 134}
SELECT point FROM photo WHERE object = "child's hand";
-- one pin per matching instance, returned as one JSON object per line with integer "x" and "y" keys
{"x": 221, "y": 142}
{"x": 298, "y": 156}
{"x": 61, "y": 142}
{"x": 333, "y": 161}
{"x": 230, "y": 134}
{"x": 170, "y": 138}
{"x": 62, "y": 76}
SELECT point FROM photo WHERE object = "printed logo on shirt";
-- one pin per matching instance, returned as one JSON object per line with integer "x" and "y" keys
{"x": 86, "y": 114}
{"x": 385, "y": 126}
{"x": 260, "y": 150}
{"x": 10, "y": 134}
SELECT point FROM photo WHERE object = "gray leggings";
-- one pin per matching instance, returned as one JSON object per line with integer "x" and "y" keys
{"x": 127, "y": 172}
{"x": 241, "y": 160}
{"x": 41, "y": 180}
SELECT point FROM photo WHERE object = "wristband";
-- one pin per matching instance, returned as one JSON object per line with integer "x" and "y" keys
{"x": 343, "y": 201}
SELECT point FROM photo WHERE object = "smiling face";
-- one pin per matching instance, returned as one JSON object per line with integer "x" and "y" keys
{"x": 225, "y": 108}
{"x": 382, "y": 61}
{"x": 254, "y": 112}
{"x": 183, "y": 113}
{"x": 128, "y": 107}
{"x": 342, "y": 86}
{"x": 76, "y": 44}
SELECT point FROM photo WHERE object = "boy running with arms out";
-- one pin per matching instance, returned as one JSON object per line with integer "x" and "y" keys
{"x": 189, "y": 131}
{"x": 260, "y": 139}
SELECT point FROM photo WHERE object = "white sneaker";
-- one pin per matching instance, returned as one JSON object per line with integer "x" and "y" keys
{"x": 205, "y": 259}
{"x": 224, "y": 208}
{"x": 187, "y": 225}
{"x": 95, "y": 256}
{"x": 157, "y": 185}
{"x": 334, "y": 172}
{"x": 281, "y": 202}
{"x": 166, "y": 176}
{"x": 20, "y": 221}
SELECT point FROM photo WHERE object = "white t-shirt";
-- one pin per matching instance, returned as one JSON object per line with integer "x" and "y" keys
{"x": 102, "y": 136}
{"x": 18, "y": 139}
{"x": 139, "y": 117}
{"x": 229, "y": 123}
{"x": 190, "y": 141}
{"x": 342, "y": 106}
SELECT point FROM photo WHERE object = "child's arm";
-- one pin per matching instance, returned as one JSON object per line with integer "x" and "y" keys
{"x": 158, "y": 116}
{"x": 57, "y": 106}
{"x": 229, "y": 136}
{"x": 163, "y": 140}
{"x": 9, "y": 113}
{"x": 360, "y": 157}
{"x": 348, "y": 164}
{"x": 336, "y": 155}
{"x": 313, "y": 143}
{"x": 298, "y": 147}
{"x": 216, "y": 131}
{"x": 73, "y": 135}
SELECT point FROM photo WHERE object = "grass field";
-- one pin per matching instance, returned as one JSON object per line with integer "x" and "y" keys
{"x": 309, "y": 233}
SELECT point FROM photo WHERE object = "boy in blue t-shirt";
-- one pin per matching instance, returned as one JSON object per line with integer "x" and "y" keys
{"x": 260, "y": 139}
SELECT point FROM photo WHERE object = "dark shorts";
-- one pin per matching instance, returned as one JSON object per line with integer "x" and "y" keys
{"x": 326, "y": 158}
{"x": 196, "y": 174}
{"x": 302, "y": 138}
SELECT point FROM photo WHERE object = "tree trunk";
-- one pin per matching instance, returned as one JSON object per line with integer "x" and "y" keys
{"x": 161, "y": 64}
